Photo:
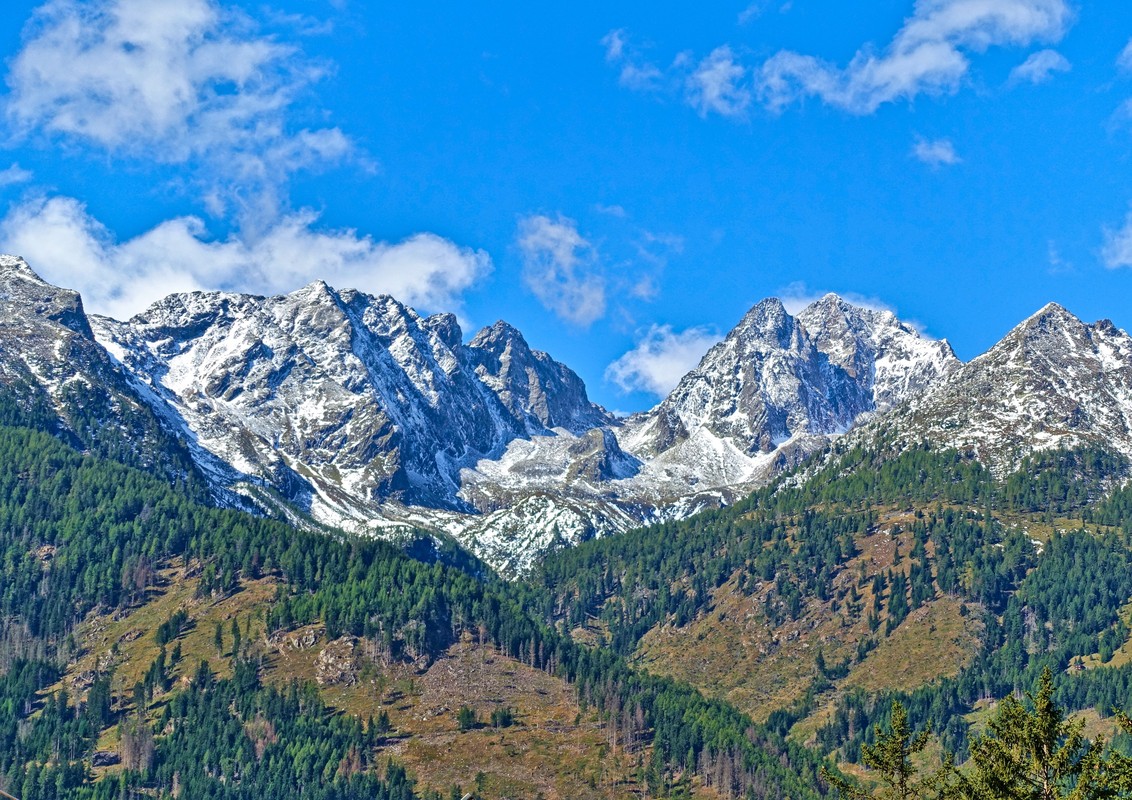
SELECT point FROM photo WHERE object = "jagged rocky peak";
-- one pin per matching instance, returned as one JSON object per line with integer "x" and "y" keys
{"x": 887, "y": 356}
{"x": 776, "y": 377}
{"x": 1054, "y": 340}
{"x": 768, "y": 323}
{"x": 51, "y": 363}
{"x": 359, "y": 394}
{"x": 446, "y": 328}
{"x": 532, "y": 385}
{"x": 27, "y": 293}
{"x": 757, "y": 388}
{"x": 1053, "y": 381}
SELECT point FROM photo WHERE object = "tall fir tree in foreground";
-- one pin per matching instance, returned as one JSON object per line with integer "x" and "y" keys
{"x": 1030, "y": 751}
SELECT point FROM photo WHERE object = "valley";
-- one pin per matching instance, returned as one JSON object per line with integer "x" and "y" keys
{"x": 319, "y": 539}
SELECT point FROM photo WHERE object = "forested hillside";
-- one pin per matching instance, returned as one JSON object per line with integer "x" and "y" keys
{"x": 83, "y": 537}
{"x": 920, "y": 577}
{"x": 153, "y": 644}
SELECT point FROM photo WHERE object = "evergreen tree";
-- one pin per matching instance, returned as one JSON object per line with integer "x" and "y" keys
{"x": 1035, "y": 754}
{"x": 890, "y": 758}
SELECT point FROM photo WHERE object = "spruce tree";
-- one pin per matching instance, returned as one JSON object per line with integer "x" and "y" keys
{"x": 891, "y": 759}
{"x": 1035, "y": 754}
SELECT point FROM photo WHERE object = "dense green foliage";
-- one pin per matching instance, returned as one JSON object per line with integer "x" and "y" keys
{"x": 1029, "y": 751}
{"x": 795, "y": 536}
{"x": 78, "y": 532}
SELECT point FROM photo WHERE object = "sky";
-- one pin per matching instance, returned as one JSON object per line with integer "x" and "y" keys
{"x": 620, "y": 181}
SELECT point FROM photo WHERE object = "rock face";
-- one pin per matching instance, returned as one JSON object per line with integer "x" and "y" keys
{"x": 333, "y": 394}
{"x": 337, "y": 663}
{"x": 360, "y": 413}
{"x": 1053, "y": 381}
{"x": 52, "y": 370}
{"x": 888, "y": 359}
{"x": 757, "y": 404}
{"x": 534, "y": 388}
{"x": 776, "y": 378}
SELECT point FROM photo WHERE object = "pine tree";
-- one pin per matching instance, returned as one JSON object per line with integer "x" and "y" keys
{"x": 891, "y": 759}
{"x": 1035, "y": 754}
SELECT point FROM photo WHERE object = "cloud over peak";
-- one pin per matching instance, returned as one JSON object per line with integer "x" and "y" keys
{"x": 560, "y": 267}
{"x": 72, "y": 248}
{"x": 661, "y": 358}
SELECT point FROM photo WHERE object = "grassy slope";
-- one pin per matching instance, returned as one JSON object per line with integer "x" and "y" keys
{"x": 554, "y": 749}
{"x": 734, "y": 652}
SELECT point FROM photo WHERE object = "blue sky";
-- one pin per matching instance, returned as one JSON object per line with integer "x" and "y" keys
{"x": 619, "y": 181}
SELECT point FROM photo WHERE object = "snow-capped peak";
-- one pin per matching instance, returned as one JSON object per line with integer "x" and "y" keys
{"x": 1052, "y": 381}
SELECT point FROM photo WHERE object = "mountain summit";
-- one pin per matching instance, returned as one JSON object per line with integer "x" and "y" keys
{"x": 338, "y": 398}
{"x": 776, "y": 378}
{"x": 1053, "y": 381}
{"x": 363, "y": 414}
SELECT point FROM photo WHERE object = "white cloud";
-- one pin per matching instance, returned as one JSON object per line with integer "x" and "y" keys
{"x": 796, "y": 296}
{"x": 69, "y": 247}
{"x": 717, "y": 85}
{"x": 13, "y": 175}
{"x": 189, "y": 83}
{"x": 1057, "y": 264}
{"x": 614, "y": 43}
{"x": 927, "y": 55}
{"x": 635, "y": 73}
{"x": 560, "y": 266}
{"x": 752, "y": 11}
{"x": 1117, "y": 249}
{"x": 935, "y": 152}
{"x": 1040, "y": 67}
{"x": 614, "y": 210}
{"x": 1124, "y": 60}
{"x": 661, "y": 358}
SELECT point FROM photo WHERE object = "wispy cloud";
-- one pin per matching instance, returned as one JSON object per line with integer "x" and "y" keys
{"x": 561, "y": 268}
{"x": 929, "y": 54}
{"x": 1117, "y": 248}
{"x": 753, "y": 11}
{"x": 14, "y": 175}
{"x": 935, "y": 152}
{"x": 661, "y": 358}
{"x": 191, "y": 83}
{"x": 615, "y": 210}
{"x": 1124, "y": 60}
{"x": 635, "y": 72}
{"x": 1057, "y": 264}
{"x": 1040, "y": 67}
{"x": 715, "y": 84}
{"x": 718, "y": 85}
{"x": 68, "y": 246}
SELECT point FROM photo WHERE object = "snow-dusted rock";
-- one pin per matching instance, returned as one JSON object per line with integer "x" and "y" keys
{"x": 320, "y": 393}
{"x": 349, "y": 410}
{"x": 1053, "y": 381}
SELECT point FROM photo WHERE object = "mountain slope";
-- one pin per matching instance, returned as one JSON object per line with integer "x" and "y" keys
{"x": 1052, "y": 382}
{"x": 781, "y": 380}
{"x": 362, "y": 414}
{"x": 54, "y": 375}
{"x": 338, "y": 397}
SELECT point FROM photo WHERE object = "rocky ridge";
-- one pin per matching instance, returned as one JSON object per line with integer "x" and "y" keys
{"x": 354, "y": 411}
{"x": 1051, "y": 382}
{"x": 53, "y": 371}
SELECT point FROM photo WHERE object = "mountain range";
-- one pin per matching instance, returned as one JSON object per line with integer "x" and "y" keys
{"x": 337, "y": 408}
